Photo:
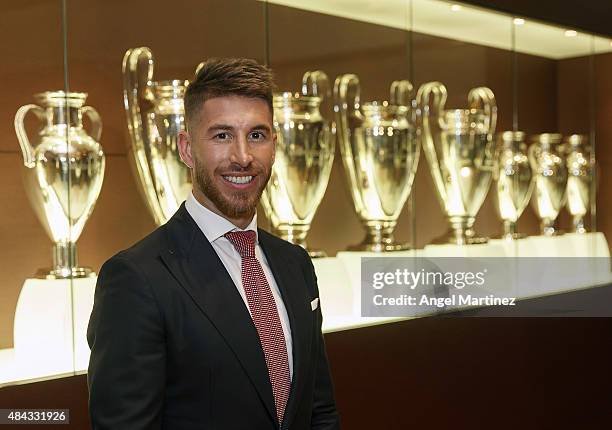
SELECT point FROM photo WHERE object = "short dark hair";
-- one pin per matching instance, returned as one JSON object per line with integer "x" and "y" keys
{"x": 218, "y": 77}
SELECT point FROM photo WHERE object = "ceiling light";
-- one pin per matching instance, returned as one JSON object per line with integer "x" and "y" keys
{"x": 519, "y": 21}
{"x": 455, "y": 8}
{"x": 570, "y": 33}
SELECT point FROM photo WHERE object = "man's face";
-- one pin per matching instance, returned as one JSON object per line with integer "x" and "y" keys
{"x": 230, "y": 150}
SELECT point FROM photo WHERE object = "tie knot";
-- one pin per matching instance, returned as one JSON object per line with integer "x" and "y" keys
{"x": 243, "y": 241}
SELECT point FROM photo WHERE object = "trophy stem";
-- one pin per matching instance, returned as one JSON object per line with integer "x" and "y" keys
{"x": 547, "y": 227}
{"x": 461, "y": 232}
{"x": 65, "y": 263}
{"x": 379, "y": 238}
{"x": 579, "y": 224}
{"x": 510, "y": 231}
{"x": 296, "y": 234}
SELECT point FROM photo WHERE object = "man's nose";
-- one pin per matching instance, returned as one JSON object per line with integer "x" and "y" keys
{"x": 241, "y": 152}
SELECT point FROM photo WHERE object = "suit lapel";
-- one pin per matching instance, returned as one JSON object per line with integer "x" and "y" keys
{"x": 289, "y": 278}
{"x": 197, "y": 267}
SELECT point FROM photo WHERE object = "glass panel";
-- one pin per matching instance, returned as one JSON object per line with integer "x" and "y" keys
{"x": 35, "y": 334}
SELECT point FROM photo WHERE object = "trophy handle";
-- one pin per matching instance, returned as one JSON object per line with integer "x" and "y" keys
{"x": 29, "y": 159}
{"x": 499, "y": 148}
{"x": 532, "y": 154}
{"x": 96, "y": 122}
{"x": 401, "y": 93}
{"x": 139, "y": 132}
{"x": 315, "y": 84}
{"x": 431, "y": 98}
{"x": 346, "y": 107}
{"x": 483, "y": 98}
{"x": 348, "y": 117}
{"x": 346, "y": 97}
{"x": 131, "y": 73}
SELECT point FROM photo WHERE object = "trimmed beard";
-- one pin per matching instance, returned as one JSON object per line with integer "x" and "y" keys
{"x": 238, "y": 205}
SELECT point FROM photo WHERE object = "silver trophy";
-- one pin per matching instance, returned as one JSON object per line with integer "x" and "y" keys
{"x": 155, "y": 115}
{"x": 513, "y": 180}
{"x": 550, "y": 176}
{"x": 304, "y": 156}
{"x": 577, "y": 152}
{"x": 63, "y": 173}
{"x": 380, "y": 154}
{"x": 458, "y": 145}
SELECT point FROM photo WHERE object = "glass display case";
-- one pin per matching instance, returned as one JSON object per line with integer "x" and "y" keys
{"x": 442, "y": 129}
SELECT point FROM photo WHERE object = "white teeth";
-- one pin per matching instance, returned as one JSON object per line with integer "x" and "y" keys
{"x": 239, "y": 179}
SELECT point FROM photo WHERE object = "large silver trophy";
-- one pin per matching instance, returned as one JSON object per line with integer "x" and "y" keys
{"x": 304, "y": 157}
{"x": 64, "y": 173}
{"x": 380, "y": 153}
{"x": 458, "y": 145}
{"x": 550, "y": 175}
{"x": 155, "y": 115}
{"x": 513, "y": 179}
{"x": 577, "y": 153}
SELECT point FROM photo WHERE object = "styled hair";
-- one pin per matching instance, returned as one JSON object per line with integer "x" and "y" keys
{"x": 218, "y": 77}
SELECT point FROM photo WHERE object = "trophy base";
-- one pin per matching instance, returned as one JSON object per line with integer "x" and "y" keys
{"x": 380, "y": 247}
{"x": 511, "y": 236}
{"x": 316, "y": 253}
{"x": 65, "y": 273}
{"x": 296, "y": 234}
{"x": 553, "y": 233}
{"x": 460, "y": 237}
{"x": 379, "y": 238}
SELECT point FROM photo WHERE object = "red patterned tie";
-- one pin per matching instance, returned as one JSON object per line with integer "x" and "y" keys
{"x": 265, "y": 316}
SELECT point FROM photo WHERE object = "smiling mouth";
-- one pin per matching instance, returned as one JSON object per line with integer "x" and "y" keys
{"x": 239, "y": 180}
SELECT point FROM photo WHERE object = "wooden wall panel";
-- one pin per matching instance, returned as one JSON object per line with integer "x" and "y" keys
{"x": 32, "y": 58}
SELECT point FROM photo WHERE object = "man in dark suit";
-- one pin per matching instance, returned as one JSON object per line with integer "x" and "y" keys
{"x": 209, "y": 322}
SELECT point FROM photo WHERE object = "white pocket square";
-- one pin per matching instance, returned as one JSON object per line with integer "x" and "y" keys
{"x": 314, "y": 304}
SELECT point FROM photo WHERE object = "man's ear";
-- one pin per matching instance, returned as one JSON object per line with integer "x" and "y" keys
{"x": 274, "y": 145}
{"x": 184, "y": 145}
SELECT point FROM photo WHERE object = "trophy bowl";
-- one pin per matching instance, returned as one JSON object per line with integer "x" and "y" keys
{"x": 513, "y": 180}
{"x": 63, "y": 173}
{"x": 155, "y": 115}
{"x": 305, "y": 148}
{"x": 577, "y": 153}
{"x": 378, "y": 142}
{"x": 550, "y": 176}
{"x": 458, "y": 145}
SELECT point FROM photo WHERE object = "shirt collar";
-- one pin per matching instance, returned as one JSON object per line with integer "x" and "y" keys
{"x": 213, "y": 225}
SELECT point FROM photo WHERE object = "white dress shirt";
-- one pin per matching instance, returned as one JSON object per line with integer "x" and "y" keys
{"x": 214, "y": 227}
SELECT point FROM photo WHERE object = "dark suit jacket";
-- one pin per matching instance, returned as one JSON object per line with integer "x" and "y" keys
{"x": 173, "y": 345}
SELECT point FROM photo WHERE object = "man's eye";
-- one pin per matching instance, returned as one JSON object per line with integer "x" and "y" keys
{"x": 257, "y": 135}
{"x": 221, "y": 136}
